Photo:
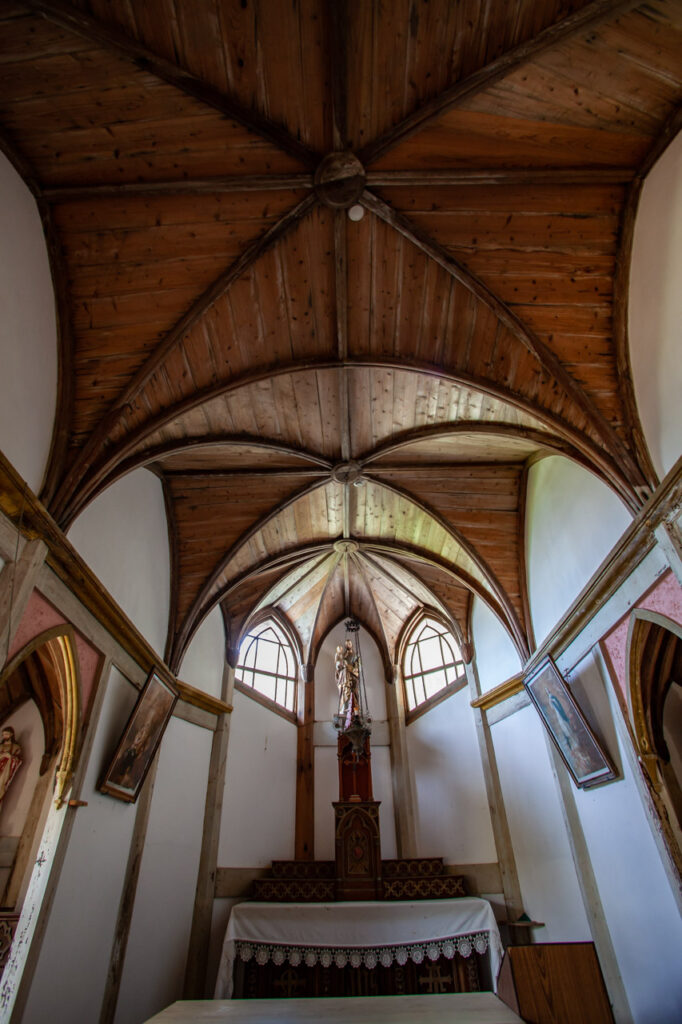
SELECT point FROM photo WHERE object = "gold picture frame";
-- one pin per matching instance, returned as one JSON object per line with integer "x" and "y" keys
{"x": 140, "y": 739}
{"x": 579, "y": 748}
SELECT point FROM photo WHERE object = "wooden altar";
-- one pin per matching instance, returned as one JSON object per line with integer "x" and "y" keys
{"x": 347, "y": 948}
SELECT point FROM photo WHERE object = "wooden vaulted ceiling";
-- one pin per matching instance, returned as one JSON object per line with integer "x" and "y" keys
{"x": 342, "y": 412}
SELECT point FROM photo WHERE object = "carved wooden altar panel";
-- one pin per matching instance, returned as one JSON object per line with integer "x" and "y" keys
{"x": 358, "y": 850}
{"x": 270, "y": 981}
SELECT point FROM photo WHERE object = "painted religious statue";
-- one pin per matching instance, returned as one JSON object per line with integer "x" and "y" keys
{"x": 347, "y": 679}
{"x": 10, "y": 759}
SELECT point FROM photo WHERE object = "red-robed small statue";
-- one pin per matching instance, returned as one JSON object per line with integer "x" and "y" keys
{"x": 10, "y": 759}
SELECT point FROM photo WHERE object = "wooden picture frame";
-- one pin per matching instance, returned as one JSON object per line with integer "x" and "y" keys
{"x": 578, "y": 746}
{"x": 140, "y": 740}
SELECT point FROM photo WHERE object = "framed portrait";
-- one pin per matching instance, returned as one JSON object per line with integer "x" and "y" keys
{"x": 141, "y": 737}
{"x": 563, "y": 719}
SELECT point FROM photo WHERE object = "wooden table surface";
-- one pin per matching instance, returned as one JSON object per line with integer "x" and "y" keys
{"x": 458, "y": 1008}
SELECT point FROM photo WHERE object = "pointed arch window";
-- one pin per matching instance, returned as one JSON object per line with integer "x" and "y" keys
{"x": 433, "y": 663}
{"x": 267, "y": 664}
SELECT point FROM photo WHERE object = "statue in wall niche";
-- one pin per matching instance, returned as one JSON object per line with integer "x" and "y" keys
{"x": 10, "y": 759}
{"x": 347, "y": 679}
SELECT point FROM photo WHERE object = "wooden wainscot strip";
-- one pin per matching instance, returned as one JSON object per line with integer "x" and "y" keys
{"x": 509, "y": 688}
{"x": 190, "y": 695}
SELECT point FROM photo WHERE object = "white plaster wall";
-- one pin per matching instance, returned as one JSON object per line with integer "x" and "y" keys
{"x": 123, "y": 537}
{"x": 641, "y": 914}
{"x": 68, "y": 984}
{"x": 655, "y": 309}
{"x": 382, "y": 788}
{"x": 327, "y": 790}
{"x": 154, "y": 971}
{"x": 572, "y": 522}
{"x": 28, "y": 332}
{"x": 259, "y": 809}
{"x": 453, "y": 818}
{"x": 549, "y": 885}
{"x": 202, "y": 665}
{"x": 28, "y": 732}
{"x": 496, "y": 657}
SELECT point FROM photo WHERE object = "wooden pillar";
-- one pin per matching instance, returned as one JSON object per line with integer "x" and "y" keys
{"x": 305, "y": 767}
{"x": 197, "y": 954}
{"x": 498, "y": 817}
{"x": 17, "y": 581}
{"x": 401, "y": 776}
{"x": 589, "y": 889}
{"x": 127, "y": 902}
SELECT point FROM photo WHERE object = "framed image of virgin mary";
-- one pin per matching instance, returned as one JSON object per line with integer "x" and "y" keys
{"x": 140, "y": 740}
{"x": 563, "y": 719}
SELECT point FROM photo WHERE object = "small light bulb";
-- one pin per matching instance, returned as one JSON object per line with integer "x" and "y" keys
{"x": 356, "y": 212}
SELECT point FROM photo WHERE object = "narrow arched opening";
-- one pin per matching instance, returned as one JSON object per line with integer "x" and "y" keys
{"x": 40, "y": 711}
{"x": 656, "y": 708}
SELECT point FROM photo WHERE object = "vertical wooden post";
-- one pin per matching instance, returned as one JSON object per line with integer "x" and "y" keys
{"x": 127, "y": 902}
{"x": 200, "y": 935}
{"x": 401, "y": 777}
{"x": 589, "y": 889}
{"x": 17, "y": 581}
{"x": 498, "y": 817}
{"x": 305, "y": 767}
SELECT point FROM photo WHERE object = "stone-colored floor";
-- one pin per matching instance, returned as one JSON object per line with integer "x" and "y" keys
{"x": 462, "y": 1008}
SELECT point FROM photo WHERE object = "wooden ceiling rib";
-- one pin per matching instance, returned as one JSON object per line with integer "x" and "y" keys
{"x": 95, "y": 29}
{"x": 517, "y": 40}
{"x": 226, "y": 325}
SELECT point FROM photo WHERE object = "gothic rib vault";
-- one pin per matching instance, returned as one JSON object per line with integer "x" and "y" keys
{"x": 342, "y": 412}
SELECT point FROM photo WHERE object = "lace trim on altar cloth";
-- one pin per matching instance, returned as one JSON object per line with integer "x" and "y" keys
{"x": 370, "y": 957}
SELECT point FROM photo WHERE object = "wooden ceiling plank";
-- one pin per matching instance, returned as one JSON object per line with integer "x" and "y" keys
{"x": 431, "y": 515}
{"x": 530, "y": 342}
{"x": 586, "y": 18}
{"x": 338, "y": 54}
{"x": 300, "y": 583}
{"x": 171, "y": 339}
{"x": 250, "y": 534}
{"x": 330, "y": 611}
{"x": 157, "y": 418}
{"x": 387, "y": 645}
{"x": 96, "y": 31}
{"x": 405, "y": 553}
{"x": 341, "y": 294}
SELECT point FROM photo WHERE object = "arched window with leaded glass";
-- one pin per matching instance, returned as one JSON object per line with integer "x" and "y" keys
{"x": 433, "y": 664}
{"x": 267, "y": 664}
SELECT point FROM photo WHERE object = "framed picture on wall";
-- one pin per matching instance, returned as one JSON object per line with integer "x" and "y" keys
{"x": 563, "y": 719}
{"x": 140, "y": 740}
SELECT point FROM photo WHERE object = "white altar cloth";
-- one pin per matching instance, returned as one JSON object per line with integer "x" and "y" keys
{"x": 357, "y": 933}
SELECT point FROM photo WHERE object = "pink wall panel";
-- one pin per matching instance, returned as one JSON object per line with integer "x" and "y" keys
{"x": 39, "y": 616}
{"x": 665, "y": 597}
